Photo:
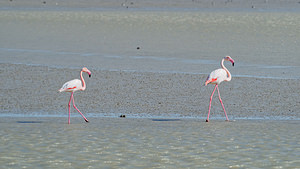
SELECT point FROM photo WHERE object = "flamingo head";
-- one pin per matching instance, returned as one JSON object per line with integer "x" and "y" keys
{"x": 87, "y": 71}
{"x": 228, "y": 58}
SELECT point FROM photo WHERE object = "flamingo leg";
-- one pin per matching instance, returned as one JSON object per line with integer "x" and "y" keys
{"x": 69, "y": 105}
{"x": 207, "y": 120}
{"x": 86, "y": 120}
{"x": 222, "y": 103}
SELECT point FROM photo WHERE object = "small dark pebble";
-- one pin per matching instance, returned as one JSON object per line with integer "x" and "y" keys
{"x": 122, "y": 116}
{"x": 44, "y": 2}
{"x": 138, "y": 48}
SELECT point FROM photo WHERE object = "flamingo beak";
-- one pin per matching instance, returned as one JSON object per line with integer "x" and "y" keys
{"x": 232, "y": 61}
{"x": 90, "y": 74}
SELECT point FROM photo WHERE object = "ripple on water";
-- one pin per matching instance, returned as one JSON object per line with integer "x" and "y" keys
{"x": 133, "y": 143}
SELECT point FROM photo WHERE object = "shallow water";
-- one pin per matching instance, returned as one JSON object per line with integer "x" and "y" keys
{"x": 148, "y": 143}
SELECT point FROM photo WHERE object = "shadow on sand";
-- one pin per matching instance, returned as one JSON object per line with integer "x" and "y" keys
{"x": 165, "y": 119}
{"x": 29, "y": 122}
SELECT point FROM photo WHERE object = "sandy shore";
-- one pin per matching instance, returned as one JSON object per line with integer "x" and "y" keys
{"x": 33, "y": 89}
{"x": 150, "y": 4}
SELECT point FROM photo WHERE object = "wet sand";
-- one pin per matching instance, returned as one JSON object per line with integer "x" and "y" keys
{"x": 154, "y": 4}
{"x": 32, "y": 90}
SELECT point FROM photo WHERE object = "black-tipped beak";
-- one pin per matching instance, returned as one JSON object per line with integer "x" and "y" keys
{"x": 233, "y": 64}
{"x": 90, "y": 75}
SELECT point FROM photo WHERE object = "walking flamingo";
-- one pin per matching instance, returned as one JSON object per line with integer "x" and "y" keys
{"x": 74, "y": 85}
{"x": 216, "y": 77}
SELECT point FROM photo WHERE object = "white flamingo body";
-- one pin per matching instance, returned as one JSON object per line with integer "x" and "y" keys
{"x": 72, "y": 86}
{"x": 216, "y": 77}
{"x": 219, "y": 74}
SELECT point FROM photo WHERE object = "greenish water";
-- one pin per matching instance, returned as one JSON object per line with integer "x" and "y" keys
{"x": 148, "y": 143}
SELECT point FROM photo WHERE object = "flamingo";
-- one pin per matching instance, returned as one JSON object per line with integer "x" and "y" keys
{"x": 216, "y": 77}
{"x": 74, "y": 85}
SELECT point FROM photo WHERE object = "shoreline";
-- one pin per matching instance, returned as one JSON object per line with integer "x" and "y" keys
{"x": 175, "y": 117}
{"x": 32, "y": 90}
{"x": 158, "y": 71}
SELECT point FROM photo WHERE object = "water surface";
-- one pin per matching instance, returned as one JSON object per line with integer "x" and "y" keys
{"x": 148, "y": 143}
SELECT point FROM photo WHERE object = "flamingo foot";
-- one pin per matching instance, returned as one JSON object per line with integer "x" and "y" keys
{"x": 207, "y": 120}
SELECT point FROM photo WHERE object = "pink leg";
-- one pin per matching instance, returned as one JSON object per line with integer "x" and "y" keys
{"x": 207, "y": 120}
{"x": 69, "y": 107}
{"x": 86, "y": 120}
{"x": 222, "y": 104}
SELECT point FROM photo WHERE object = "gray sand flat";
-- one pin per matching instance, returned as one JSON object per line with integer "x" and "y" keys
{"x": 30, "y": 89}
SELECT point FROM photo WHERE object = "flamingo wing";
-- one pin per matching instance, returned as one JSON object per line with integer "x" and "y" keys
{"x": 71, "y": 86}
{"x": 216, "y": 76}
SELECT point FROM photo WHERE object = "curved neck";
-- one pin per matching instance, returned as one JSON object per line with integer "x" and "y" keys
{"x": 228, "y": 73}
{"x": 83, "y": 82}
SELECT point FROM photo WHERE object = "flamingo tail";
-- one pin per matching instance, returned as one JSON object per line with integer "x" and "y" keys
{"x": 210, "y": 80}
